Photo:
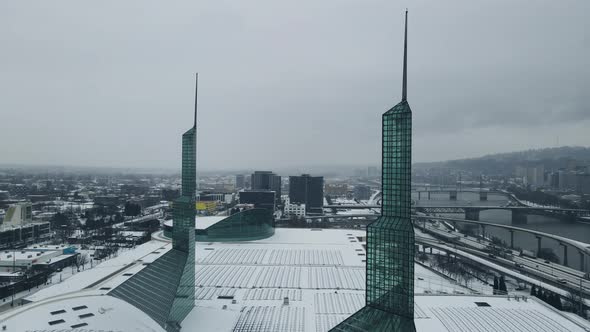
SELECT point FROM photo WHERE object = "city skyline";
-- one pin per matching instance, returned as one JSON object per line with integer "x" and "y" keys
{"x": 285, "y": 206}
{"x": 118, "y": 94}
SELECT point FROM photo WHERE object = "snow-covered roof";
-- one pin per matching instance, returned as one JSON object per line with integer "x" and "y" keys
{"x": 242, "y": 286}
{"x": 82, "y": 312}
{"x": 322, "y": 272}
{"x": 110, "y": 272}
{"x": 201, "y": 222}
{"x": 490, "y": 313}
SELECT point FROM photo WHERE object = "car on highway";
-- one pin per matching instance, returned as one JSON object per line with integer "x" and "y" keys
{"x": 562, "y": 281}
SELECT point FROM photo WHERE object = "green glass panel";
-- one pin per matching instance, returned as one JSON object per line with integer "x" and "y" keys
{"x": 155, "y": 300}
{"x": 247, "y": 225}
{"x": 183, "y": 234}
{"x": 390, "y": 239}
{"x": 189, "y": 163}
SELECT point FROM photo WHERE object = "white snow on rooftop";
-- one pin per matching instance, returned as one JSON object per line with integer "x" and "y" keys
{"x": 111, "y": 271}
{"x": 299, "y": 280}
{"x": 84, "y": 312}
{"x": 322, "y": 272}
{"x": 494, "y": 313}
{"x": 201, "y": 222}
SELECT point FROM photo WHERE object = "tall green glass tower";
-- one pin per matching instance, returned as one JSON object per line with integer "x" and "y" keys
{"x": 183, "y": 235}
{"x": 390, "y": 239}
{"x": 165, "y": 289}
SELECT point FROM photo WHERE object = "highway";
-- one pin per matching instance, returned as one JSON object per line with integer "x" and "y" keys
{"x": 499, "y": 265}
{"x": 552, "y": 272}
{"x": 581, "y": 246}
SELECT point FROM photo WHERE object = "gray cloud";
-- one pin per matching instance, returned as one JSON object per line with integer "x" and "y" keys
{"x": 286, "y": 83}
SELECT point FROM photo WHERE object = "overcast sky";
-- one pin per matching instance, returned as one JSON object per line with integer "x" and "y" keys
{"x": 287, "y": 83}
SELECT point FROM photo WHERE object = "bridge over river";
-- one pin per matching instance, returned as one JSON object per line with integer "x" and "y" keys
{"x": 519, "y": 213}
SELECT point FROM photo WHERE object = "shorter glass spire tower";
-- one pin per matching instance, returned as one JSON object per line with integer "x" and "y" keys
{"x": 390, "y": 239}
{"x": 165, "y": 290}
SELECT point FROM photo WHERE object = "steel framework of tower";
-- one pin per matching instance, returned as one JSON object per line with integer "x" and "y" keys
{"x": 390, "y": 239}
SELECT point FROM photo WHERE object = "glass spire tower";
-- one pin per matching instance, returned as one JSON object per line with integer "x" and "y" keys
{"x": 390, "y": 239}
{"x": 165, "y": 289}
{"x": 183, "y": 235}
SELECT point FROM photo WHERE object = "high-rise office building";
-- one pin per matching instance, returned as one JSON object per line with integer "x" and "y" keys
{"x": 308, "y": 190}
{"x": 266, "y": 180}
{"x": 264, "y": 199}
{"x": 390, "y": 239}
{"x": 240, "y": 181}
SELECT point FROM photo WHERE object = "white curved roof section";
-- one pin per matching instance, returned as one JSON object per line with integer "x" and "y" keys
{"x": 201, "y": 222}
{"x": 79, "y": 312}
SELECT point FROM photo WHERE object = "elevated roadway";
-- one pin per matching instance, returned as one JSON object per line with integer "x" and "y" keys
{"x": 498, "y": 265}
{"x": 519, "y": 213}
{"x": 582, "y": 247}
{"x": 530, "y": 265}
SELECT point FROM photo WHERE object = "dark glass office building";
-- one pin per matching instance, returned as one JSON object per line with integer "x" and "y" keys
{"x": 240, "y": 181}
{"x": 262, "y": 199}
{"x": 308, "y": 190}
{"x": 390, "y": 239}
{"x": 266, "y": 180}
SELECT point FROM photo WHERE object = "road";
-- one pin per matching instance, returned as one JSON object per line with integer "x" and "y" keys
{"x": 552, "y": 272}
{"x": 498, "y": 265}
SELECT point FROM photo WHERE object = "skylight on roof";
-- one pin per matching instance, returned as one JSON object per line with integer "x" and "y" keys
{"x": 86, "y": 315}
{"x": 482, "y": 304}
{"x": 75, "y": 326}
{"x": 79, "y": 308}
{"x": 55, "y": 322}
{"x": 57, "y": 312}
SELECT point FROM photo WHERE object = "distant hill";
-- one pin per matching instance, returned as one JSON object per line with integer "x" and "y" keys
{"x": 564, "y": 152}
{"x": 504, "y": 163}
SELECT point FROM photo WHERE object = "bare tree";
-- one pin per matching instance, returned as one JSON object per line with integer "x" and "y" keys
{"x": 81, "y": 260}
{"x": 576, "y": 303}
{"x": 422, "y": 257}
